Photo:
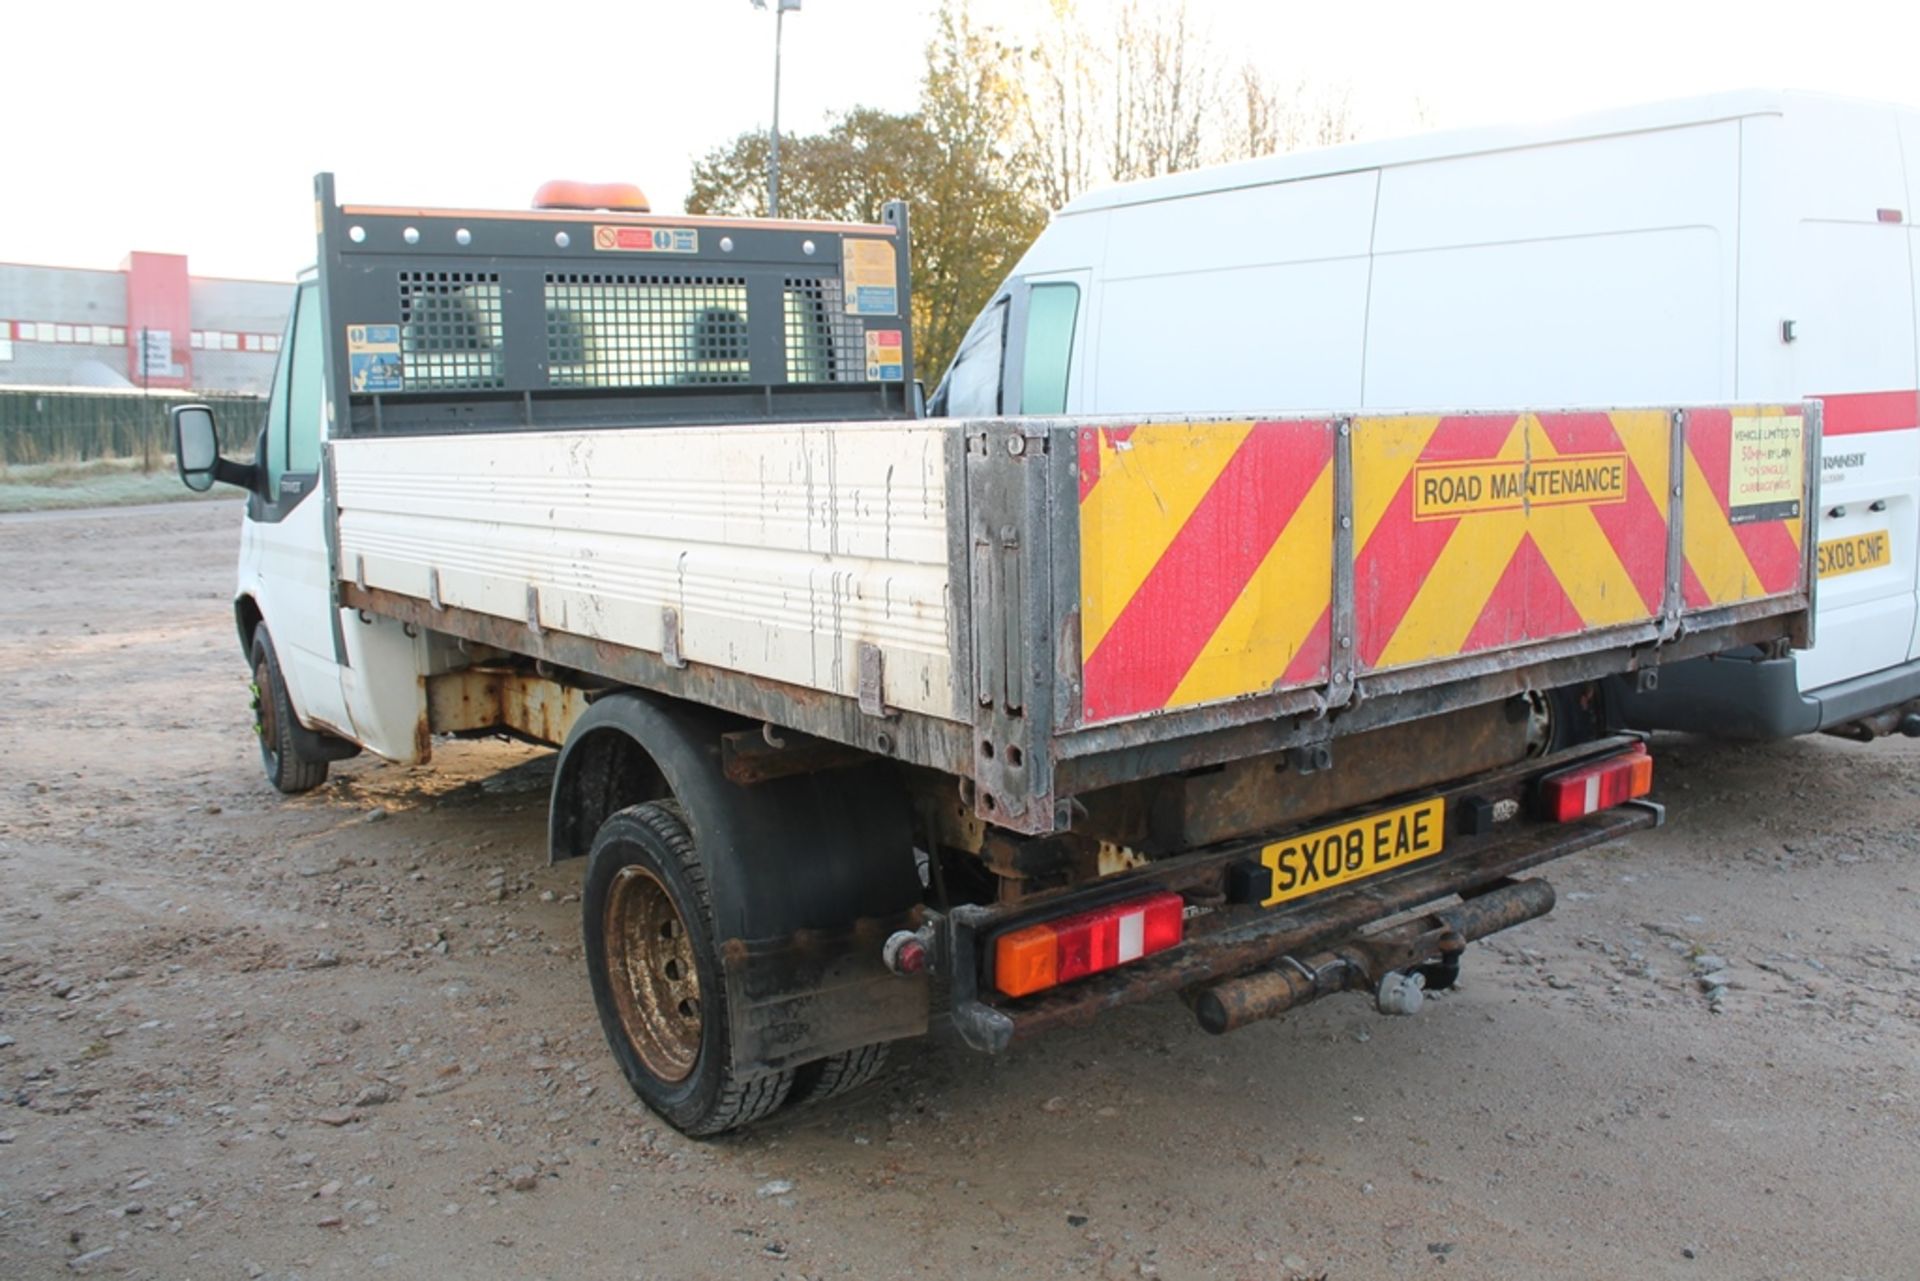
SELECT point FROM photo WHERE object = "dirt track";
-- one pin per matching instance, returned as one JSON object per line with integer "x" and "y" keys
{"x": 246, "y": 1036}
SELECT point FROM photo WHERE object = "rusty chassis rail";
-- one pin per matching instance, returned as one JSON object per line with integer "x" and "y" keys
{"x": 1228, "y": 940}
{"x": 1083, "y": 760}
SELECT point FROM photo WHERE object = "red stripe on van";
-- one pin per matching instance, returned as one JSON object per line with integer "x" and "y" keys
{"x": 1853, "y": 413}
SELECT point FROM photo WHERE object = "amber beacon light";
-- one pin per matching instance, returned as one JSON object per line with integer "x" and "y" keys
{"x": 564, "y": 193}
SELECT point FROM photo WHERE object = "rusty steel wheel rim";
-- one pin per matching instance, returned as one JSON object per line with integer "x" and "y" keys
{"x": 650, "y": 968}
{"x": 264, "y": 723}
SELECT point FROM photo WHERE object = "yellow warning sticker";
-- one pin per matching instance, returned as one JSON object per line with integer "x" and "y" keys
{"x": 867, "y": 269}
{"x": 1766, "y": 467}
{"x": 1443, "y": 491}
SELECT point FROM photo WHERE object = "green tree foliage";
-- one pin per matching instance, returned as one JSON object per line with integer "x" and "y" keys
{"x": 953, "y": 160}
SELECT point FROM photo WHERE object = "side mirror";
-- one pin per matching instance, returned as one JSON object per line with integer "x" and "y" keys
{"x": 196, "y": 446}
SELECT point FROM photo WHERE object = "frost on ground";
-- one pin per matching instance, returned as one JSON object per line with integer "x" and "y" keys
{"x": 349, "y": 1035}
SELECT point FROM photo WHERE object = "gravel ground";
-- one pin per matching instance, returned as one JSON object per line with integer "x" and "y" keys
{"x": 349, "y": 1035}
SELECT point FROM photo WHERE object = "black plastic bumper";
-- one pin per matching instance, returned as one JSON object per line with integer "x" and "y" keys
{"x": 1744, "y": 696}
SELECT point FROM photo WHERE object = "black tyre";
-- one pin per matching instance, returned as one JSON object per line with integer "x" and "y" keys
{"x": 837, "y": 1074}
{"x": 647, "y": 922}
{"x": 273, "y": 724}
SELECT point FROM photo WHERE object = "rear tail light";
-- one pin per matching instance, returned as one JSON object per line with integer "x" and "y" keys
{"x": 1070, "y": 947}
{"x": 1588, "y": 789}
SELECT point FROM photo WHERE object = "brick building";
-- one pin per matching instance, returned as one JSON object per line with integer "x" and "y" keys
{"x": 149, "y": 324}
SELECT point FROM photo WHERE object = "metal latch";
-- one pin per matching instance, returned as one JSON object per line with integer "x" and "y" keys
{"x": 873, "y": 701}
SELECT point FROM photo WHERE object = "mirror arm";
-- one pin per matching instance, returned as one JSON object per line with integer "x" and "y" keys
{"x": 228, "y": 472}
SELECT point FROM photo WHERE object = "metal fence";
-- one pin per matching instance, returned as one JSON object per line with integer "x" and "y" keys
{"x": 56, "y": 425}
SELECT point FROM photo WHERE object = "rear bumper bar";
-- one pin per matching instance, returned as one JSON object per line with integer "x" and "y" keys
{"x": 1254, "y": 938}
{"x": 1745, "y": 696}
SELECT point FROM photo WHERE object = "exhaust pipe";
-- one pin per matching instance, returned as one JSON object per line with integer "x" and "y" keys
{"x": 1373, "y": 963}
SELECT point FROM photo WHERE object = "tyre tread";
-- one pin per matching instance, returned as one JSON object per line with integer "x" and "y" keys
{"x": 838, "y": 1074}
{"x": 291, "y": 773}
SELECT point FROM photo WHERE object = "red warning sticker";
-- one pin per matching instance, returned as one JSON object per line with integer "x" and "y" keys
{"x": 647, "y": 240}
{"x": 886, "y": 362}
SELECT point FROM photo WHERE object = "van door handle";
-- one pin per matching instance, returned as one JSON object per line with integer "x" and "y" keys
{"x": 1835, "y": 513}
{"x": 1878, "y": 505}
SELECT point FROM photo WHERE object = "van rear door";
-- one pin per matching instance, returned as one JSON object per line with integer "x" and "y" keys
{"x": 1852, "y": 344}
{"x": 1908, "y": 124}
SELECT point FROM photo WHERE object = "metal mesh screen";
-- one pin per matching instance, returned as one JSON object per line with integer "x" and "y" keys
{"x": 607, "y": 330}
{"x": 824, "y": 343}
{"x": 450, "y": 330}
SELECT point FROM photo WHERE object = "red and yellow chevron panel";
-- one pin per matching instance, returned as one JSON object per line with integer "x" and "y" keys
{"x": 1742, "y": 524}
{"x": 1207, "y": 549}
{"x": 1206, "y": 561}
{"x": 1482, "y": 531}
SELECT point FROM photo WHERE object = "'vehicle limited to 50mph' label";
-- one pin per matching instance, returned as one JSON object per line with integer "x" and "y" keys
{"x": 1344, "y": 852}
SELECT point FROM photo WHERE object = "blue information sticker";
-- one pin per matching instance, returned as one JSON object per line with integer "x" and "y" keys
{"x": 876, "y": 300}
{"x": 373, "y": 358}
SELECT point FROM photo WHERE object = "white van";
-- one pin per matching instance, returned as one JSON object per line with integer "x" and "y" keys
{"x": 1753, "y": 246}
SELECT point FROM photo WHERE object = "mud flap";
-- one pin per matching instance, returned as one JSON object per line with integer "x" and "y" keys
{"x": 817, "y": 993}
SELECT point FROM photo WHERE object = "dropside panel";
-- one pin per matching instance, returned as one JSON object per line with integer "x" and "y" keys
{"x": 775, "y": 552}
{"x": 1206, "y": 561}
{"x": 1221, "y": 561}
{"x": 1479, "y": 532}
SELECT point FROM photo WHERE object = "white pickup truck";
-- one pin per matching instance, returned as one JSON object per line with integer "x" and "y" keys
{"x": 1065, "y": 713}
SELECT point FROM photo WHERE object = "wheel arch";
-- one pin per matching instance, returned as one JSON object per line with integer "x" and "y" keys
{"x": 805, "y": 875}
{"x": 807, "y": 852}
{"x": 246, "y": 620}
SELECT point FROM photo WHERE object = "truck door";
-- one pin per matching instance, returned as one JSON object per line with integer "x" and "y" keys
{"x": 284, "y": 551}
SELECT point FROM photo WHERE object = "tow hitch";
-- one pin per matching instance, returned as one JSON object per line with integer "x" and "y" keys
{"x": 1397, "y": 965}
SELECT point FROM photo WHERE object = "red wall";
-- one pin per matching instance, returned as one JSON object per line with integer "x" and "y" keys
{"x": 158, "y": 300}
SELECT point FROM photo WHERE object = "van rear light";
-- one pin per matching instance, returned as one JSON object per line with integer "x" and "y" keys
{"x": 1588, "y": 789}
{"x": 1041, "y": 956}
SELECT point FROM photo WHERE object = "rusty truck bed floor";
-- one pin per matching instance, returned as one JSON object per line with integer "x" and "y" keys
{"x": 349, "y": 1035}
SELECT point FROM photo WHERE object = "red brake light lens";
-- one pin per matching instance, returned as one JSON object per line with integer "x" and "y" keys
{"x": 1040, "y": 956}
{"x": 1588, "y": 789}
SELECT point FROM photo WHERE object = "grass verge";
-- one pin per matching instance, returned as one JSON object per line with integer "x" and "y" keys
{"x": 103, "y": 482}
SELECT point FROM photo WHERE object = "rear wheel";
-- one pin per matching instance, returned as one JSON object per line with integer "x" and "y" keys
{"x": 647, "y": 922}
{"x": 274, "y": 725}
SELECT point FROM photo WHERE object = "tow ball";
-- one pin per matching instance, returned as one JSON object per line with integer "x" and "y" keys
{"x": 1401, "y": 992}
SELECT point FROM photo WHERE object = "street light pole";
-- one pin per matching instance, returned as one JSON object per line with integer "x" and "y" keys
{"x": 780, "y": 8}
{"x": 773, "y": 168}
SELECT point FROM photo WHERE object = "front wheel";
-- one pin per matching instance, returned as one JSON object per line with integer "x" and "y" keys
{"x": 273, "y": 723}
{"x": 647, "y": 922}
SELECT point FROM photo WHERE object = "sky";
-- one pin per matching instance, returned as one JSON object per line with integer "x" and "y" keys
{"x": 197, "y": 127}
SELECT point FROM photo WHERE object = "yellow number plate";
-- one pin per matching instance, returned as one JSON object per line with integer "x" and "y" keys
{"x": 1315, "y": 861}
{"x": 1855, "y": 552}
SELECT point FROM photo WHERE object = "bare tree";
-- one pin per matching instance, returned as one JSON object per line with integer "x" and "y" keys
{"x": 1165, "y": 93}
{"x": 1269, "y": 119}
{"x": 1059, "y": 98}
